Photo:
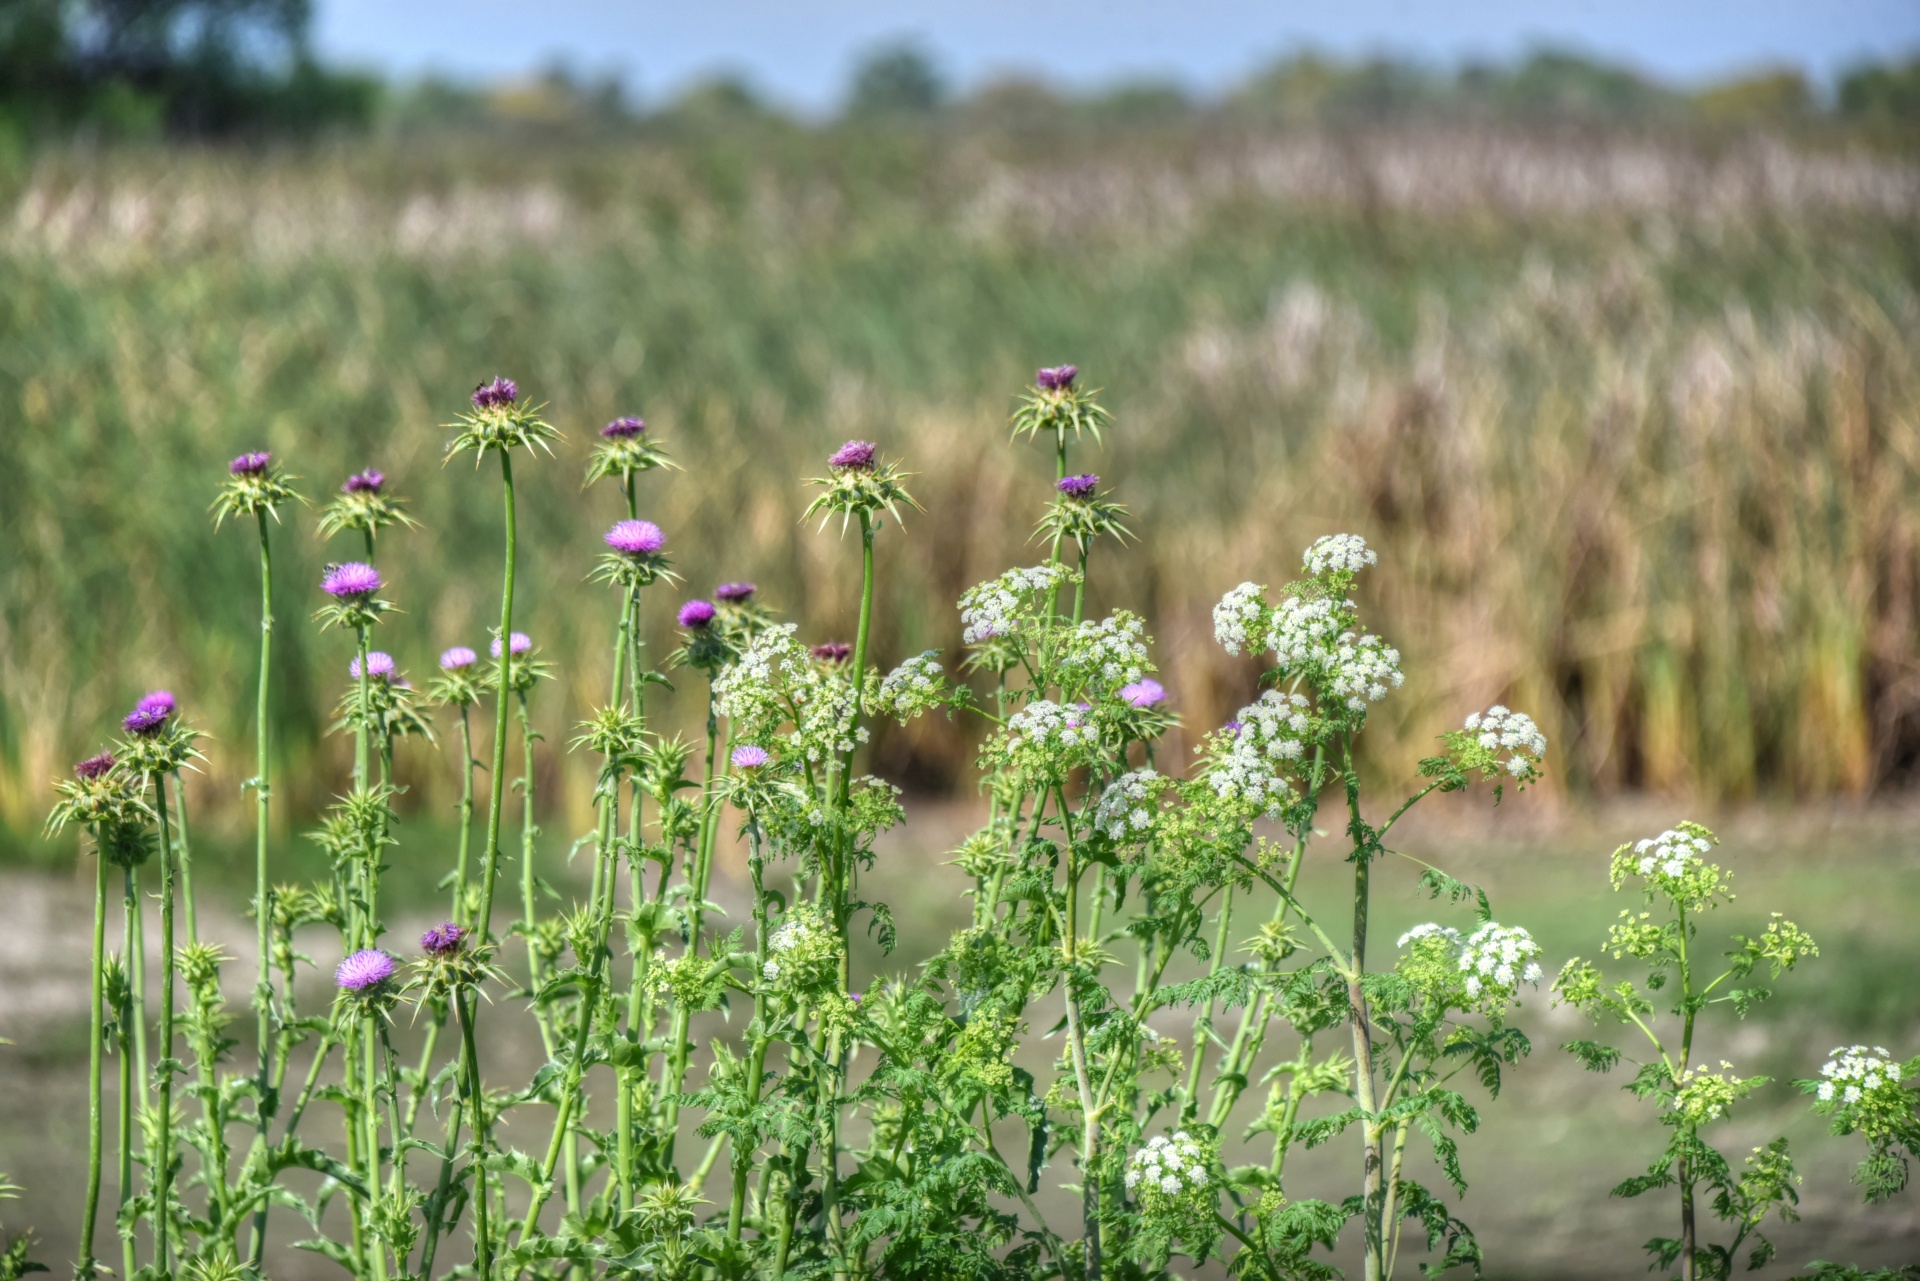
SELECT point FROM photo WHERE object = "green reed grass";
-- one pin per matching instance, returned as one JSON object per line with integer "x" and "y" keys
{"x": 1663, "y": 453}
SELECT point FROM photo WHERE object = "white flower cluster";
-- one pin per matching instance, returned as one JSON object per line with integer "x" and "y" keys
{"x": 1497, "y": 959}
{"x": 1107, "y": 654}
{"x": 775, "y": 679}
{"x": 1670, "y": 852}
{"x": 1497, "y": 730}
{"x": 993, "y": 608}
{"x": 1237, "y": 618}
{"x": 745, "y": 690}
{"x": 1338, "y": 553}
{"x": 1261, "y": 742}
{"x": 1044, "y": 723}
{"x": 1314, "y": 636}
{"x": 1171, "y": 1166}
{"x": 912, "y": 687}
{"x": 1125, "y": 812}
{"x": 1854, "y": 1072}
{"x": 1446, "y": 933}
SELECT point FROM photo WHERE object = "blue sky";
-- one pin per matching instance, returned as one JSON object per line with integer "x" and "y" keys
{"x": 800, "y": 51}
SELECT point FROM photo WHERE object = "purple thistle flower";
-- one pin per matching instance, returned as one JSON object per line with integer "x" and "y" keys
{"x": 521, "y": 644}
{"x": 364, "y": 482}
{"x": 443, "y": 939}
{"x": 249, "y": 464}
{"x": 1143, "y": 693}
{"x": 832, "y": 651}
{"x": 144, "y": 721}
{"x": 696, "y": 614}
{"x": 1081, "y": 486}
{"x": 636, "y": 538}
{"x": 735, "y": 593}
{"x": 94, "y": 766}
{"x": 1058, "y": 378}
{"x": 159, "y": 700}
{"x": 378, "y": 665}
{"x": 1233, "y": 728}
{"x": 855, "y": 455}
{"x": 624, "y": 428}
{"x": 363, "y": 971}
{"x": 493, "y": 395}
{"x": 351, "y": 581}
{"x": 749, "y": 757}
{"x": 458, "y": 659}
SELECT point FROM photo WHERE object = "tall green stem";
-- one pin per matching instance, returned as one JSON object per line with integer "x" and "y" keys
{"x": 97, "y": 1030}
{"x": 129, "y": 1004}
{"x": 496, "y": 791}
{"x": 476, "y": 1100}
{"x": 262, "y": 891}
{"x": 162, "y": 1172}
{"x": 496, "y": 795}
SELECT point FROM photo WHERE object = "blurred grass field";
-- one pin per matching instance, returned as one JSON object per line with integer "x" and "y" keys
{"x": 1632, "y": 416}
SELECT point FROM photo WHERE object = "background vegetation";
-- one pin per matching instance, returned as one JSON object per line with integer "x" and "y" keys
{"x": 1621, "y": 379}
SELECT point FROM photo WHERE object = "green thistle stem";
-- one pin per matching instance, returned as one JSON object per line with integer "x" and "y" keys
{"x": 457, "y": 912}
{"x": 97, "y": 1030}
{"x": 757, "y": 1062}
{"x": 262, "y": 890}
{"x": 129, "y": 1004}
{"x": 161, "y": 1174}
{"x": 476, "y": 1100}
{"x": 496, "y": 795}
{"x": 496, "y": 791}
{"x": 370, "y": 1122}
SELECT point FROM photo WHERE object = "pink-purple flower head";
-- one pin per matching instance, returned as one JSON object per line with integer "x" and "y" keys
{"x": 364, "y": 482}
{"x": 1143, "y": 693}
{"x": 496, "y": 394}
{"x": 832, "y": 651}
{"x": 636, "y": 538}
{"x": 521, "y": 644}
{"x": 749, "y": 757}
{"x": 855, "y": 455}
{"x": 353, "y": 581}
{"x": 1058, "y": 378}
{"x": 1081, "y": 486}
{"x": 149, "y": 715}
{"x": 94, "y": 766}
{"x": 363, "y": 972}
{"x": 735, "y": 593}
{"x": 250, "y": 464}
{"x": 444, "y": 939}
{"x": 624, "y": 428}
{"x": 379, "y": 666}
{"x": 696, "y": 614}
{"x": 458, "y": 659}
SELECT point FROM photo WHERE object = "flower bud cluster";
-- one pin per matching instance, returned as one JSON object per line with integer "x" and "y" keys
{"x": 1701, "y": 1096}
{"x": 1674, "y": 863}
{"x": 803, "y": 952}
{"x": 1044, "y": 740}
